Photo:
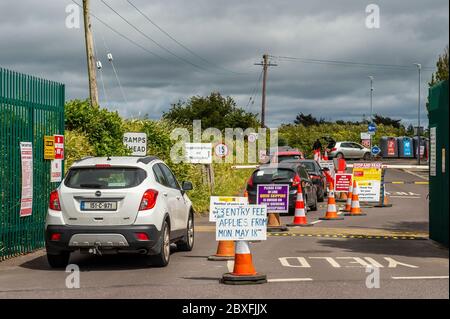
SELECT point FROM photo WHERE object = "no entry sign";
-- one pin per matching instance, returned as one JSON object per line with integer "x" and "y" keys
{"x": 342, "y": 182}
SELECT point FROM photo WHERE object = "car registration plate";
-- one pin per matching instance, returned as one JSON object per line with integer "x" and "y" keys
{"x": 98, "y": 205}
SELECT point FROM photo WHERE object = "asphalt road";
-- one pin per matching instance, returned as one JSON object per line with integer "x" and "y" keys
{"x": 296, "y": 264}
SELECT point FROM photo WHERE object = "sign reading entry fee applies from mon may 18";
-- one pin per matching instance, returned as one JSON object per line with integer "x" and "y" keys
{"x": 137, "y": 142}
{"x": 274, "y": 196}
{"x": 244, "y": 222}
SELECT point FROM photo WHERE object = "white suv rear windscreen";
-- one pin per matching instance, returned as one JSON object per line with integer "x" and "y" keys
{"x": 105, "y": 177}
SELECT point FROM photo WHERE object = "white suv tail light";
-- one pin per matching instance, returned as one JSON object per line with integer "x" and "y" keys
{"x": 54, "y": 201}
{"x": 148, "y": 199}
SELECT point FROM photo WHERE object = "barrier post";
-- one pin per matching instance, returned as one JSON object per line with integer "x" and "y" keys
{"x": 383, "y": 197}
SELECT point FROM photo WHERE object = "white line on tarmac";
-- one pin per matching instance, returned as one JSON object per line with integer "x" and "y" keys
{"x": 400, "y": 196}
{"x": 230, "y": 265}
{"x": 315, "y": 222}
{"x": 289, "y": 279}
{"x": 422, "y": 277}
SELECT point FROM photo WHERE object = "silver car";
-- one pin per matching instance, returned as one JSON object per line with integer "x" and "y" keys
{"x": 349, "y": 150}
{"x": 119, "y": 204}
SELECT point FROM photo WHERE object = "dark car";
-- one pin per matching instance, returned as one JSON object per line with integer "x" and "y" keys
{"x": 292, "y": 173}
{"x": 317, "y": 176}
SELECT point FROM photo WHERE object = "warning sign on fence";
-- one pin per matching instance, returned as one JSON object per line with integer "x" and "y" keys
{"x": 245, "y": 222}
{"x": 26, "y": 199}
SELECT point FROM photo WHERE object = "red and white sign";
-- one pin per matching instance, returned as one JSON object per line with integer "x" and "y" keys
{"x": 59, "y": 146}
{"x": 56, "y": 171}
{"x": 221, "y": 150}
{"x": 26, "y": 200}
{"x": 342, "y": 182}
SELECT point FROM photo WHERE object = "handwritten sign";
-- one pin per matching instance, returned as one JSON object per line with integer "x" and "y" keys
{"x": 245, "y": 222}
{"x": 215, "y": 201}
{"x": 274, "y": 196}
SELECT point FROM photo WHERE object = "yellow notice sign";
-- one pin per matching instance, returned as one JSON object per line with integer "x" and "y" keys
{"x": 368, "y": 177}
{"x": 49, "y": 147}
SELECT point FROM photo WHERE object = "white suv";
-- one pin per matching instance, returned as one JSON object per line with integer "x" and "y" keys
{"x": 119, "y": 204}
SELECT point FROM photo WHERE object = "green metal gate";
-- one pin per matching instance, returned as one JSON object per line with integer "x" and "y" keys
{"x": 439, "y": 162}
{"x": 30, "y": 108}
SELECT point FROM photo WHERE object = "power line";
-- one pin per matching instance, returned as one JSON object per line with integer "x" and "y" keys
{"x": 152, "y": 40}
{"x": 348, "y": 63}
{"x": 122, "y": 35}
{"x": 178, "y": 42}
{"x": 254, "y": 91}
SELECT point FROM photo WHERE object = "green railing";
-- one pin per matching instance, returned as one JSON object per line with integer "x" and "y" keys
{"x": 30, "y": 108}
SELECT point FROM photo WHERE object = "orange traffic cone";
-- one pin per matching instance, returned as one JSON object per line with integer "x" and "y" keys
{"x": 243, "y": 272}
{"x": 225, "y": 251}
{"x": 331, "y": 213}
{"x": 325, "y": 156}
{"x": 355, "y": 209}
{"x": 348, "y": 204}
{"x": 299, "y": 216}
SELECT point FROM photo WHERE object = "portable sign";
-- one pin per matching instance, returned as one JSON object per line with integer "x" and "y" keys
{"x": 245, "y": 222}
{"x": 56, "y": 171}
{"x": 221, "y": 150}
{"x": 327, "y": 164}
{"x": 49, "y": 147}
{"x": 368, "y": 177}
{"x": 59, "y": 146}
{"x": 198, "y": 153}
{"x": 231, "y": 201}
{"x": 137, "y": 142}
{"x": 275, "y": 196}
{"x": 26, "y": 199}
{"x": 342, "y": 182}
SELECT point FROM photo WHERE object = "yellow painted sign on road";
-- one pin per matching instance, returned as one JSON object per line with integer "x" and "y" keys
{"x": 49, "y": 147}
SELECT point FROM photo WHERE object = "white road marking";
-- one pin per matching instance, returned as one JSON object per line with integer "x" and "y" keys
{"x": 316, "y": 221}
{"x": 422, "y": 277}
{"x": 289, "y": 279}
{"x": 405, "y": 196}
{"x": 230, "y": 265}
{"x": 415, "y": 174}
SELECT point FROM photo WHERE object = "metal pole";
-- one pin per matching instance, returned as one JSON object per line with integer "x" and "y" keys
{"x": 263, "y": 100}
{"x": 419, "y": 67}
{"x": 371, "y": 106}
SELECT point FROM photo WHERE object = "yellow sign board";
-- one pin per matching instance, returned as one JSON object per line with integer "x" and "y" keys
{"x": 49, "y": 147}
{"x": 368, "y": 177}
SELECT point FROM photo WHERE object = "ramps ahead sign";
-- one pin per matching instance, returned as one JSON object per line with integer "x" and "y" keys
{"x": 137, "y": 142}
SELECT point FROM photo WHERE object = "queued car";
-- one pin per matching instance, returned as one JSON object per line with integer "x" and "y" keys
{"x": 317, "y": 176}
{"x": 349, "y": 150}
{"x": 286, "y": 154}
{"x": 119, "y": 205}
{"x": 291, "y": 173}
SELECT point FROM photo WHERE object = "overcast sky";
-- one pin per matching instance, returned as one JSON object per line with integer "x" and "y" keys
{"x": 232, "y": 35}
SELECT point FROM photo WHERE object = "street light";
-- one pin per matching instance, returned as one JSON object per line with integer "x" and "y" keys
{"x": 419, "y": 68}
{"x": 371, "y": 104}
{"x": 371, "y": 96}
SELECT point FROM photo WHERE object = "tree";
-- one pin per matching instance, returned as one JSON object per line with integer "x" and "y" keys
{"x": 305, "y": 120}
{"x": 441, "y": 73}
{"x": 410, "y": 130}
{"x": 214, "y": 111}
{"x": 378, "y": 119}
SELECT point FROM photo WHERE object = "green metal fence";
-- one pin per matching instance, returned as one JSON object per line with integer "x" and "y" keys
{"x": 30, "y": 108}
{"x": 439, "y": 162}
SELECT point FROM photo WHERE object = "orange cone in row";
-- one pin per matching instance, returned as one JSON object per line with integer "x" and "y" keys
{"x": 243, "y": 272}
{"x": 225, "y": 251}
{"x": 299, "y": 215}
{"x": 331, "y": 213}
{"x": 348, "y": 203}
{"x": 355, "y": 209}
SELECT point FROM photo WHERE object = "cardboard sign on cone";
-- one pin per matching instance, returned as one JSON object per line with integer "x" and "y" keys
{"x": 244, "y": 272}
{"x": 299, "y": 215}
{"x": 331, "y": 213}
{"x": 355, "y": 209}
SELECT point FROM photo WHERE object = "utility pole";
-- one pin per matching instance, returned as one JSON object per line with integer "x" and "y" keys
{"x": 93, "y": 92}
{"x": 371, "y": 106}
{"x": 265, "y": 64}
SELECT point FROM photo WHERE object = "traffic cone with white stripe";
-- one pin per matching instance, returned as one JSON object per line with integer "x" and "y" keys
{"x": 331, "y": 213}
{"x": 355, "y": 209}
{"x": 299, "y": 215}
{"x": 244, "y": 272}
{"x": 325, "y": 156}
{"x": 348, "y": 204}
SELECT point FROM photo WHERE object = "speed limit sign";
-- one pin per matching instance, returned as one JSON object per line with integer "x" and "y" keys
{"x": 221, "y": 150}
